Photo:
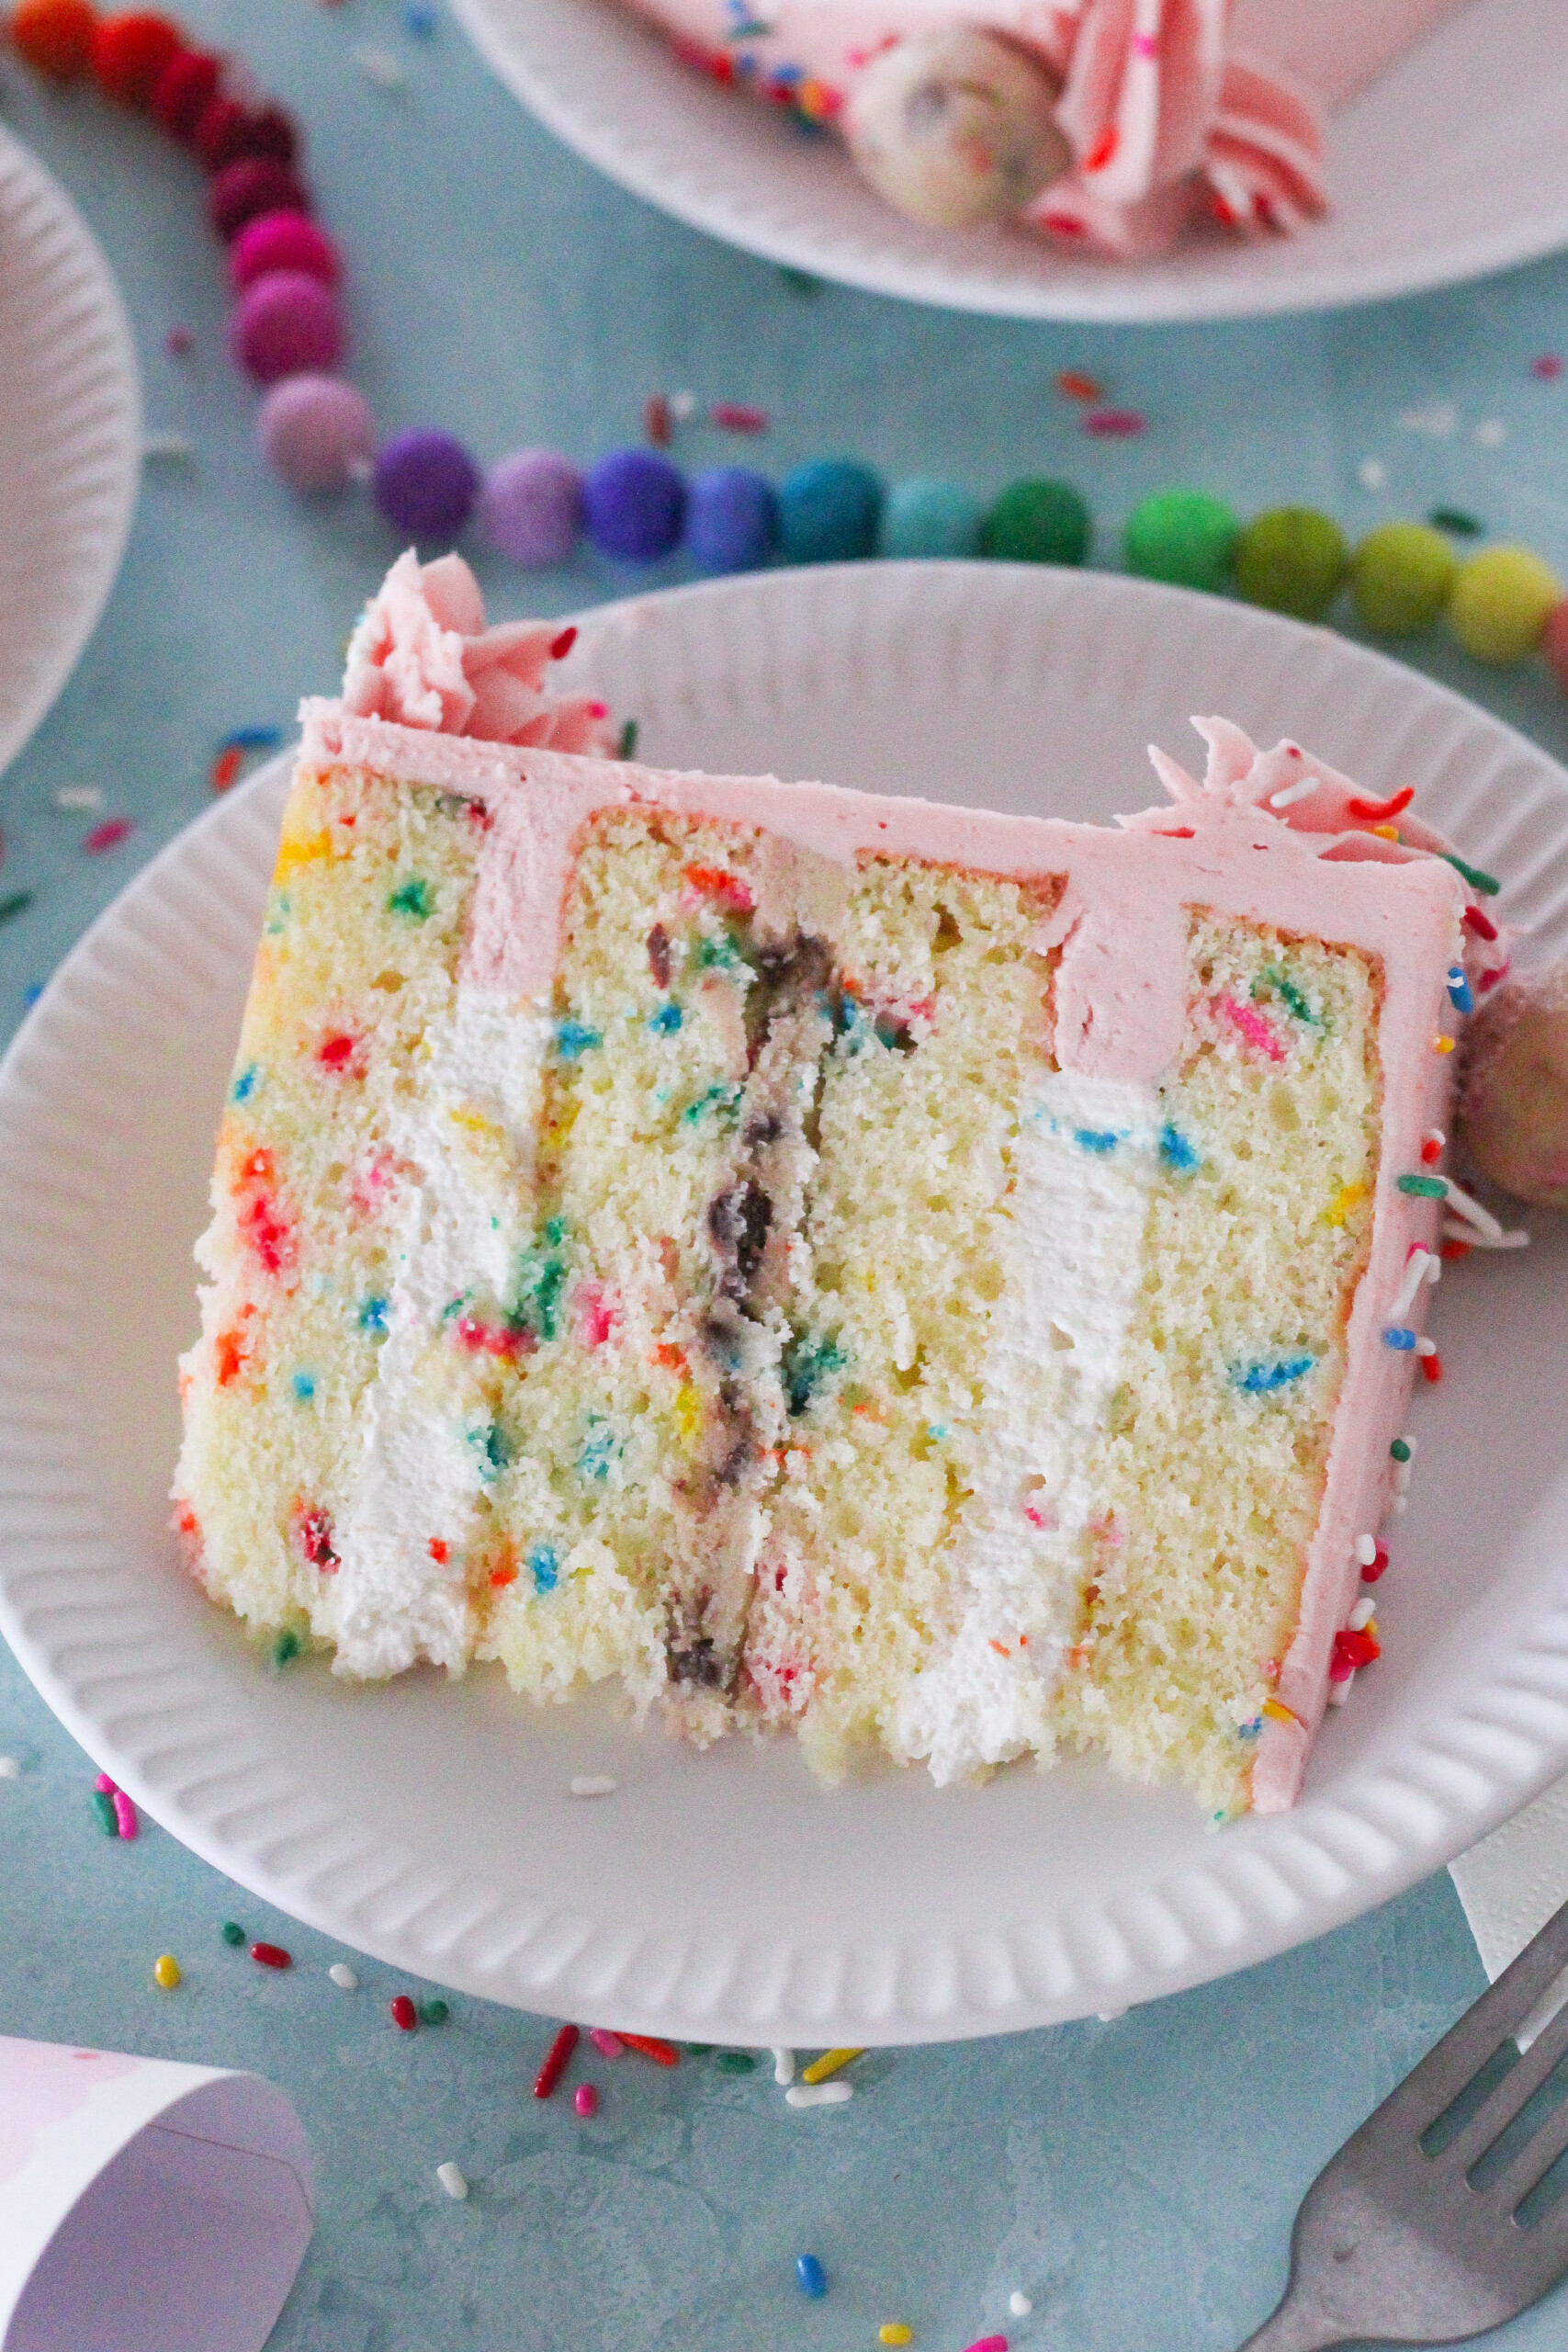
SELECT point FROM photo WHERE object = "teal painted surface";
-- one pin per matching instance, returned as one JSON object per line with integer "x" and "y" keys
{"x": 1137, "y": 2179}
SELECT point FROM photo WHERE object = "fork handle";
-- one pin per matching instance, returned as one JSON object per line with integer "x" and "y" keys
{"x": 1299, "y": 2325}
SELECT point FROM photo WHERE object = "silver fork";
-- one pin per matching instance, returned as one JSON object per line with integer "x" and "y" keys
{"x": 1392, "y": 2245}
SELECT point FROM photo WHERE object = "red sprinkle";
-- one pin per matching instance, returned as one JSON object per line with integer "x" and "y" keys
{"x": 316, "y": 1542}
{"x": 713, "y": 882}
{"x": 439, "y": 1552}
{"x": 1455, "y": 1249}
{"x": 1351, "y": 1650}
{"x": 109, "y": 835}
{"x": 736, "y": 416}
{"x": 405, "y": 2017}
{"x": 1433, "y": 1368}
{"x": 225, "y": 768}
{"x": 1431, "y": 1152}
{"x": 1116, "y": 424}
{"x": 1481, "y": 924}
{"x": 656, "y": 421}
{"x": 272, "y": 1955}
{"x": 1548, "y": 367}
{"x": 557, "y": 2059}
{"x": 337, "y": 1052}
{"x": 1379, "y": 1563}
{"x": 663, "y": 2054}
{"x": 1076, "y": 385}
{"x": 1377, "y": 812}
{"x": 561, "y": 646}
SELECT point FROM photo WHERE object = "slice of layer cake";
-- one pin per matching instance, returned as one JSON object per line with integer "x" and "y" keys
{"x": 927, "y": 1279}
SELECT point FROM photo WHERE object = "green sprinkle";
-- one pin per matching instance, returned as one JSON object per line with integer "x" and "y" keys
{"x": 697, "y": 2049}
{"x": 286, "y": 1648}
{"x": 736, "y": 2061}
{"x": 574, "y": 1038}
{"x": 232, "y": 1932}
{"x": 412, "y": 898}
{"x": 433, "y": 2013}
{"x": 1290, "y": 996}
{"x": 626, "y": 747}
{"x": 17, "y": 904}
{"x": 800, "y": 281}
{"x": 1425, "y": 1188}
{"x": 1400, "y": 1450}
{"x": 722, "y": 1100}
{"x": 104, "y": 1807}
{"x": 1487, "y": 883}
{"x": 1455, "y": 519}
{"x": 490, "y": 1443}
{"x": 809, "y": 1361}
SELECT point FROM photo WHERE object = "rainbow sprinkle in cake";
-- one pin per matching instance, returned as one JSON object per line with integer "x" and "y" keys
{"x": 924, "y": 1279}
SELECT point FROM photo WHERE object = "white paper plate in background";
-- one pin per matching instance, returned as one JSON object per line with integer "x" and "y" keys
{"x": 726, "y": 1895}
{"x": 70, "y": 439}
{"x": 1454, "y": 164}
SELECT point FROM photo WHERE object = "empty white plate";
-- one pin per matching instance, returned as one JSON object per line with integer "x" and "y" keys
{"x": 726, "y": 1895}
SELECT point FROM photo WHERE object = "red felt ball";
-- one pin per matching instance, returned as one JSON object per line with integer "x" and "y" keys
{"x": 130, "y": 53}
{"x": 254, "y": 185}
{"x": 183, "y": 89}
{"x": 227, "y": 130}
{"x": 282, "y": 240}
{"x": 285, "y": 324}
{"x": 55, "y": 37}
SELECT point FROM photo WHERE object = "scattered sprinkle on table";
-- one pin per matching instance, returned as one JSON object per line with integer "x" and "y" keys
{"x": 663, "y": 2054}
{"x": 78, "y": 795}
{"x": 109, "y": 835}
{"x": 784, "y": 2067}
{"x": 232, "y": 1932}
{"x": 9, "y": 1769}
{"x": 166, "y": 1971}
{"x": 104, "y": 1807}
{"x": 813, "y": 2279}
{"x": 988, "y": 2343}
{"x": 828, "y": 2064}
{"x": 585, "y": 2098}
{"x": 434, "y": 2012}
{"x": 125, "y": 1814}
{"x": 556, "y": 2061}
{"x": 893, "y": 2331}
{"x": 405, "y": 2017}
{"x": 271, "y": 1956}
{"x": 1076, "y": 385}
{"x": 378, "y": 65}
{"x": 594, "y": 1784}
{"x": 608, "y": 2044}
{"x": 736, "y": 2061}
{"x": 452, "y": 2181}
{"x": 1018, "y": 2303}
{"x": 1116, "y": 424}
{"x": 819, "y": 2094}
{"x": 344, "y": 1977}
{"x": 738, "y": 417}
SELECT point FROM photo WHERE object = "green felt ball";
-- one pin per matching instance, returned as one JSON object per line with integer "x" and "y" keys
{"x": 1183, "y": 536}
{"x": 1036, "y": 522}
{"x": 1400, "y": 578}
{"x": 1501, "y": 603}
{"x": 1292, "y": 559}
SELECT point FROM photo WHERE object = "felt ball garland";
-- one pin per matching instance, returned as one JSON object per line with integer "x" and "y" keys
{"x": 316, "y": 431}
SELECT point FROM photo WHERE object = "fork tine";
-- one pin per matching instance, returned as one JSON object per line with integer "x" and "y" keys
{"x": 1465, "y": 2048}
{"x": 1532, "y": 2164}
{"x": 1518, "y": 2084}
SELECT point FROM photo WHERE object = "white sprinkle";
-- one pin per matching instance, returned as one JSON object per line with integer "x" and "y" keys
{"x": 1366, "y": 1550}
{"x": 1362, "y": 1613}
{"x": 167, "y": 444}
{"x": 1018, "y": 2303}
{"x": 1454, "y": 1229}
{"x": 683, "y": 405}
{"x": 819, "y": 2094}
{"x": 594, "y": 1784}
{"x": 1483, "y": 1219}
{"x": 378, "y": 65}
{"x": 1398, "y": 1505}
{"x": 1109, "y": 2017}
{"x": 1425, "y": 1346}
{"x": 1294, "y": 792}
{"x": 1339, "y": 1691}
{"x": 1438, "y": 418}
{"x": 9, "y": 1769}
{"x": 1492, "y": 432}
{"x": 1415, "y": 1275}
{"x": 1402, "y": 1479}
{"x": 452, "y": 2181}
{"x": 1414, "y": 1444}
{"x": 78, "y": 795}
{"x": 344, "y": 1977}
{"x": 1372, "y": 474}
{"x": 784, "y": 2067}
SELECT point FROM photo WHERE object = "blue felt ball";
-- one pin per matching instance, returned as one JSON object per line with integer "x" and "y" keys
{"x": 731, "y": 520}
{"x": 930, "y": 518}
{"x": 425, "y": 483}
{"x": 828, "y": 511}
{"x": 634, "y": 502}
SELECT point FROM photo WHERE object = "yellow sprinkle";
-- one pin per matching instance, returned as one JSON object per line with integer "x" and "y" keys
{"x": 1344, "y": 1201}
{"x": 1442, "y": 1044}
{"x": 1278, "y": 1712}
{"x": 688, "y": 1414}
{"x": 300, "y": 849}
{"x": 166, "y": 1971}
{"x": 828, "y": 2064}
{"x": 895, "y": 2332}
{"x": 1385, "y": 832}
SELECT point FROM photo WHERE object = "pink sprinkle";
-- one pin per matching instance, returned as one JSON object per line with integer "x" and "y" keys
{"x": 990, "y": 2344}
{"x": 104, "y": 1786}
{"x": 1115, "y": 424}
{"x": 608, "y": 2045}
{"x": 179, "y": 343}
{"x": 735, "y": 417}
{"x": 1145, "y": 45}
{"x": 1548, "y": 367}
{"x": 598, "y": 1313}
{"x": 125, "y": 1813}
{"x": 109, "y": 835}
{"x": 1253, "y": 1027}
{"x": 585, "y": 2098}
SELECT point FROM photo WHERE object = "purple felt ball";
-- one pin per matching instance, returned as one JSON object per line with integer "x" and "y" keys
{"x": 282, "y": 240}
{"x": 285, "y": 324}
{"x": 634, "y": 502}
{"x": 426, "y": 483}
{"x": 243, "y": 191}
{"x": 316, "y": 431}
{"x": 531, "y": 507}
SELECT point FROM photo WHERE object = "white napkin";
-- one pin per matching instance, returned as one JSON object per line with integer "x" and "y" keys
{"x": 1512, "y": 1883}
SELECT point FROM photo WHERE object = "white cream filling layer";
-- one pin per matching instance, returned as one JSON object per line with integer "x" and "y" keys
{"x": 1086, "y": 1155}
{"x": 466, "y": 1123}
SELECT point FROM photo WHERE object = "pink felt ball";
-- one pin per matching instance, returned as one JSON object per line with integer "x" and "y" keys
{"x": 256, "y": 183}
{"x": 282, "y": 240}
{"x": 1554, "y": 645}
{"x": 531, "y": 507}
{"x": 285, "y": 324}
{"x": 316, "y": 432}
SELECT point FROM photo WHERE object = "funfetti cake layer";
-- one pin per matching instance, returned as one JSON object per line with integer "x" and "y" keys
{"x": 925, "y": 1278}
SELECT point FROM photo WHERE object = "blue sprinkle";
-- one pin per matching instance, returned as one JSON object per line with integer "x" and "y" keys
{"x": 304, "y": 1387}
{"x": 543, "y": 1568}
{"x": 812, "y": 2277}
{"x": 1102, "y": 1139}
{"x": 1250, "y": 1731}
{"x": 666, "y": 1021}
{"x": 373, "y": 1315}
{"x": 489, "y": 1444}
{"x": 598, "y": 1452}
{"x": 1176, "y": 1151}
{"x": 938, "y": 1431}
{"x": 1396, "y": 1337}
{"x": 420, "y": 20}
{"x": 32, "y": 992}
{"x": 1263, "y": 1379}
{"x": 572, "y": 1040}
{"x": 244, "y": 1085}
{"x": 1459, "y": 996}
{"x": 252, "y": 739}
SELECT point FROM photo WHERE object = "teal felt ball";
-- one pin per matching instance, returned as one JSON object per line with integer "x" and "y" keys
{"x": 929, "y": 518}
{"x": 1183, "y": 536}
{"x": 1037, "y": 521}
{"x": 829, "y": 511}
{"x": 1292, "y": 559}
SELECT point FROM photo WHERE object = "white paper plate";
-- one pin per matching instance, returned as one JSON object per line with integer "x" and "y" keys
{"x": 70, "y": 439}
{"x": 1454, "y": 163}
{"x": 726, "y": 1895}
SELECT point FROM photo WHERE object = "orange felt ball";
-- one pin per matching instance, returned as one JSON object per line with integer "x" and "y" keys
{"x": 129, "y": 53}
{"x": 55, "y": 37}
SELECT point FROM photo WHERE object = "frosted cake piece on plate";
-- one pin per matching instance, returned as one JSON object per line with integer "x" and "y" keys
{"x": 917, "y": 1277}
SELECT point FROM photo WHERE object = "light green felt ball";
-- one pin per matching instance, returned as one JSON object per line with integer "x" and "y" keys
{"x": 1036, "y": 522}
{"x": 1292, "y": 559}
{"x": 1183, "y": 536}
{"x": 929, "y": 518}
{"x": 1400, "y": 578}
{"x": 1501, "y": 604}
